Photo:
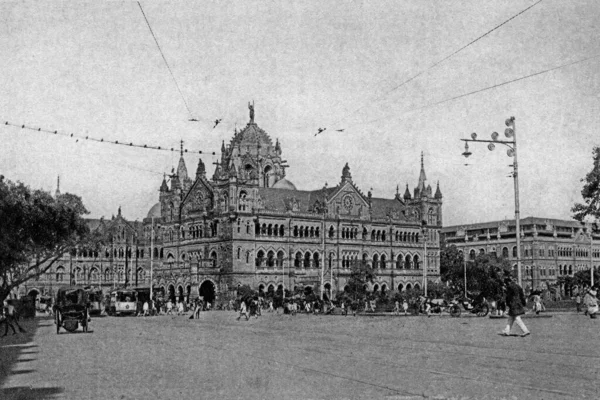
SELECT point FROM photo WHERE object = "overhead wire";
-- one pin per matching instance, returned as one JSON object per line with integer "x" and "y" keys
{"x": 437, "y": 63}
{"x": 433, "y": 104}
{"x": 165, "y": 60}
{"x": 101, "y": 140}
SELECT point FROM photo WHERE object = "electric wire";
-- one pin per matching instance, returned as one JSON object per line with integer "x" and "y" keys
{"x": 437, "y": 63}
{"x": 165, "y": 60}
{"x": 101, "y": 140}
{"x": 433, "y": 104}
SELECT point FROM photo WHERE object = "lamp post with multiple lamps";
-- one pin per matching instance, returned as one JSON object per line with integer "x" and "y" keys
{"x": 511, "y": 133}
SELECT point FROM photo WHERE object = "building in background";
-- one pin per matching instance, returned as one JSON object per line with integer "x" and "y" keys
{"x": 249, "y": 225}
{"x": 550, "y": 248}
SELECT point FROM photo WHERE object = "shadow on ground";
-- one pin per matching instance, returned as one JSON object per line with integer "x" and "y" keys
{"x": 20, "y": 350}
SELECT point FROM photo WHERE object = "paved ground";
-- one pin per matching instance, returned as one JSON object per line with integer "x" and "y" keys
{"x": 303, "y": 357}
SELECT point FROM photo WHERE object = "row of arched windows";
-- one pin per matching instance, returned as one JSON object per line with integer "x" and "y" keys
{"x": 94, "y": 275}
{"x": 377, "y": 235}
{"x": 269, "y": 230}
{"x": 306, "y": 231}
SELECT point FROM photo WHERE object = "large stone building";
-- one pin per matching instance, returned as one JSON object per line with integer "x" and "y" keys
{"x": 249, "y": 225}
{"x": 550, "y": 248}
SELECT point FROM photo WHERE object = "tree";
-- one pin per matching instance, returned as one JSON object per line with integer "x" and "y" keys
{"x": 36, "y": 230}
{"x": 361, "y": 276}
{"x": 484, "y": 274}
{"x": 590, "y": 192}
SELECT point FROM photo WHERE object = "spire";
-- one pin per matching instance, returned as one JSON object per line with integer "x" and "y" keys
{"x": 438, "y": 192}
{"x": 407, "y": 193}
{"x": 201, "y": 170}
{"x": 422, "y": 176}
{"x": 57, "y": 193}
{"x": 223, "y": 148}
{"x": 163, "y": 186}
{"x": 346, "y": 176}
{"x": 181, "y": 168}
{"x": 119, "y": 213}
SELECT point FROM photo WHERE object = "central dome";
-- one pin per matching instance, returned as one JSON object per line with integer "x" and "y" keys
{"x": 154, "y": 211}
{"x": 284, "y": 184}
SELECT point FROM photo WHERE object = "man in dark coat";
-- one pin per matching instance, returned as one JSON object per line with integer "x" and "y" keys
{"x": 515, "y": 301}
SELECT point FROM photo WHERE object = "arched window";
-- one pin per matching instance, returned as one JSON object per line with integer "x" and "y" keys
{"x": 316, "y": 260}
{"x": 416, "y": 262}
{"x": 60, "y": 272}
{"x": 383, "y": 261}
{"x": 242, "y": 202}
{"x": 375, "y": 261}
{"x": 307, "y": 260}
{"x": 514, "y": 252}
{"x": 373, "y": 235}
{"x": 280, "y": 258}
{"x": 213, "y": 257}
{"x": 94, "y": 274}
{"x": 295, "y": 230}
{"x": 505, "y": 252}
{"x": 472, "y": 254}
{"x": 383, "y": 236}
{"x": 281, "y": 230}
{"x": 259, "y": 258}
{"x": 239, "y": 253}
{"x": 270, "y": 259}
{"x": 107, "y": 275}
{"x": 430, "y": 217}
{"x": 298, "y": 260}
{"x": 399, "y": 261}
{"x": 247, "y": 257}
{"x": 331, "y": 232}
{"x": 269, "y": 229}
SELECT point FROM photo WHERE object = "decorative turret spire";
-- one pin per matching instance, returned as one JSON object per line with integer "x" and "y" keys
{"x": 438, "y": 192}
{"x": 422, "y": 176}
{"x": 407, "y": 195}
{"x": 119, "y": 213}
{"x": 57, "y": 193}
{"x": 163, "y": 186}
{"x": 201, "y": 170}
{"x": 346, "y": 176}
{"x": 181, "y": 168}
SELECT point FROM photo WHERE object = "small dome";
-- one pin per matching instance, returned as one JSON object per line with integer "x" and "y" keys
{"x": 284, "y": 184}
{"x": 154, "y": 211}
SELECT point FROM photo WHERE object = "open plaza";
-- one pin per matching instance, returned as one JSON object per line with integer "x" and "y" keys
{"x": 303, "y": 357}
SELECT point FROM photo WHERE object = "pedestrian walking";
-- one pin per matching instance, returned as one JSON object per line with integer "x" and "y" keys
{"x": 11, "y": 318}
{"x": 180, "y": 308}
{"x": 169, "y": 307}
{"x": 243, "y": 311}
{"x": 591, "y": 303}
{"x": 271, "y": 309}
{"x": 405, "y": 306}
{"x": 146, "y": 309}
{"x": 515, "y": 299}
{"x": 578, "y": 302}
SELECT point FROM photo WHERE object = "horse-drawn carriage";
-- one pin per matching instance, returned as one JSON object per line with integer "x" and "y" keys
{"x": 71, "y": 309}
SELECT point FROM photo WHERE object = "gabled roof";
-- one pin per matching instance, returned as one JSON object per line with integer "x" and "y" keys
{"x": 281, "y": 199}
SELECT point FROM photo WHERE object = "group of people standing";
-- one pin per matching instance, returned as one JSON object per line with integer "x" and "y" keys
{"x": 10, "y": 317}
{"x": 590, "y": 302}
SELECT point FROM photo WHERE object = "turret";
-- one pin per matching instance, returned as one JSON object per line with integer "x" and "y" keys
{"x": 407, "y": 195}
{"x": 346, "y": 176}
{"x": 438, "y": 192}
{"x": 201, "y": 169}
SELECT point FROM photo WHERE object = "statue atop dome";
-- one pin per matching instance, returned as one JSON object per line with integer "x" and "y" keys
{"x": 251, "y": 108}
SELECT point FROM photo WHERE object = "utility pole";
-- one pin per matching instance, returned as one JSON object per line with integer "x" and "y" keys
{"x": 509, "y": 132}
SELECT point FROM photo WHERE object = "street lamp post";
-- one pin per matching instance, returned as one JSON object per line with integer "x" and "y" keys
{"x": 424, "y": 231}
{"x": 509, "y": 132}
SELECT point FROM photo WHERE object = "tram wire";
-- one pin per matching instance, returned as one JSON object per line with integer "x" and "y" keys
{"x": 435, "y": 64}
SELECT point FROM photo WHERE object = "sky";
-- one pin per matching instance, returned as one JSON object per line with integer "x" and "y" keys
{"x": 93, "y": 69}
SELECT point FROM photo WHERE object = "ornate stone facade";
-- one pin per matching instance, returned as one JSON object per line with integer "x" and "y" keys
{"x": 248, "y": 225}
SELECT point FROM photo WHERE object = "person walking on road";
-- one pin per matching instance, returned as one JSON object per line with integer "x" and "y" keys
{"x": 591, "y": 303}
{"x": 515, "y": 299}
{"x": 578, "y": 303}
{"x": 243, "y": 311}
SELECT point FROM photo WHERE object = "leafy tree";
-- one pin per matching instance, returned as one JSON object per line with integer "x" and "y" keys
{"x": 484, "y": 274}
{"x": 583, "y": 278}
{"x": 361, "y": 276}
{"x": 590, "y": 192}
{"x": 35, "y": 231}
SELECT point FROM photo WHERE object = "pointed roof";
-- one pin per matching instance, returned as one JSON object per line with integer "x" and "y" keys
{"x": 201, "y": 169}
{"x": 422, "y": 176}
{"x": 163, "y": 186}
{"x": 438, "y": 192}
{"x": 407, "y": 195}
{"x": 182, "y": 170}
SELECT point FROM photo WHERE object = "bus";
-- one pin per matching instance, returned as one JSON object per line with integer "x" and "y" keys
{"x": 123, "y": 302}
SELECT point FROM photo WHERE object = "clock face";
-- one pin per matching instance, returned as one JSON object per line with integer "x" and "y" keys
{"x": 348, "y": 202}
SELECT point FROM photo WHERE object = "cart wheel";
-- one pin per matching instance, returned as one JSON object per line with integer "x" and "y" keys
{"x": 483, "y": 311}
{"x": 455, "y": 311}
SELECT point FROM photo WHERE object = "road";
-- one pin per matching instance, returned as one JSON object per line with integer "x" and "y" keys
{"x": 303, "y": 357}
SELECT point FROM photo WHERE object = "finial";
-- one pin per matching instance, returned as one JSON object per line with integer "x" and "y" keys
{"x": 181, "y": 148}
{"x": 119, "y": 211}
{"x": 422, "y": 165}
